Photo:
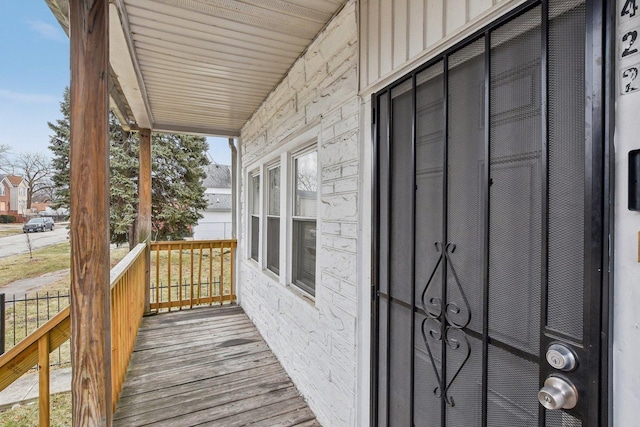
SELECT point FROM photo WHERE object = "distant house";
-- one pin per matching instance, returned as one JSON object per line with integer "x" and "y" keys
{"x": 5, "y": 192}
{"x": 13, "y": 195}
{"x": 216, "y": 221}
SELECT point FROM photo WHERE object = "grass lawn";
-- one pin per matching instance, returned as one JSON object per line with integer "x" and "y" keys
{"x": 10, "y": 229}
{"x": 25, "y": 317}
{"x": 27, "y": 415}
{"x": 45, "y": 260}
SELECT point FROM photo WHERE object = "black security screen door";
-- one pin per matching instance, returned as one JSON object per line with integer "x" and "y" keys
{"x": 490, "y": 229}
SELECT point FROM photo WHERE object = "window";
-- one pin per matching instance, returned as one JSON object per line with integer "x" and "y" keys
{"x": 22, "y": 192}
{"x": 255, "y": 216}
{"x": 273, "y": 220}
{"x": 305, "y": 169}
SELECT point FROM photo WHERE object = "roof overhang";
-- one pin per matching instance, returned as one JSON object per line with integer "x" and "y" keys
{"x": 202, "y": 66}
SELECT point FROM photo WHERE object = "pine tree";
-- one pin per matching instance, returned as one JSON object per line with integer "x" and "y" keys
{"x": 177, "y": 193}
{"x": 59, "y": 146}
{"x": 123, "y": 182}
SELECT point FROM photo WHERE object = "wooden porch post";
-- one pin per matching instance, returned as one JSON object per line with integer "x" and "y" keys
{"x": 89, "y": 171}
{"x": 144, "y": 206}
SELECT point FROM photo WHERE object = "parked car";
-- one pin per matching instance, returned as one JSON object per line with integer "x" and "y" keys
{"x": 37, "y": 224}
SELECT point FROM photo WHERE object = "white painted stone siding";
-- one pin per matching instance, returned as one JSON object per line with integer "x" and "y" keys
{"x": 314, "y": 340}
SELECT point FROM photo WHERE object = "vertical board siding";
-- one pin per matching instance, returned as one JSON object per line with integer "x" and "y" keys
{"x": 416, "y": 22}
{"x": 434, "y": 21}
{"x": 385, "y": 38}
{"x": 395, "y": 32}
{"x": 400, "y": 32}
{"x": 455, "y": 15}
{"x": 476, "y": 7}
{"x": 371, "y": 22}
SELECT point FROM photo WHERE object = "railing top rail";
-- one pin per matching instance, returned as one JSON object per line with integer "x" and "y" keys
{"x": 187, "y": 243}
{"x": 35, "y": 335}
{"x": 9, "y": 371}
{"x": 118, "y": 271}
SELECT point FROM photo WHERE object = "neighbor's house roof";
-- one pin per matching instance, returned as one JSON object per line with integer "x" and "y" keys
{"x": 14, "y": 180}
{"x": 202, "y": 66}
{"x": 218, "y": 202}
{"x": 218, "y": 176}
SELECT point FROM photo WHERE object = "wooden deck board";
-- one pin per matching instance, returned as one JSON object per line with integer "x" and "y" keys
{"x": 207, "y": 366}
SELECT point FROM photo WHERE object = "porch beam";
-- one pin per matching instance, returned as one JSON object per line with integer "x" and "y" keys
{"x": 89, "y": 173}
{"x": 144, "y": 206}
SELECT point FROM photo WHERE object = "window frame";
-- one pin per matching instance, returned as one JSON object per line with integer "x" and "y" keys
{"x": 292, "y": 219}
{"x": 254, "y": 216}
{"x": 276, "y": 267}
{"x": 292, "y": 146}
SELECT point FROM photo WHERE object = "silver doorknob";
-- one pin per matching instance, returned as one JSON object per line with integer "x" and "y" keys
{"x": 558, "y": 393}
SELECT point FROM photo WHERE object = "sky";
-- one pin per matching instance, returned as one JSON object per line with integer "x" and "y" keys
{"x": 34, "y": 70}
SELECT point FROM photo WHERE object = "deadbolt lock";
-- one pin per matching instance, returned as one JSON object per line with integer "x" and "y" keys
{"x": 561, "y": 357}
{"x": 558, "y": 393}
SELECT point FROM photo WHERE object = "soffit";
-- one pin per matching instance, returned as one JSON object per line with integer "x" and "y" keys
{"x": 205, "y": 66}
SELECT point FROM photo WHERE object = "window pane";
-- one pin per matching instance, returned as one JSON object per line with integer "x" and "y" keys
{"x": 255, "y": 233}
{"x": 255, "y": 195}
{"x": 274, "y": 191}
{"x": 306, "y": 168}
{"x": 273, "y": 244}
{"x": 304, "y": 254}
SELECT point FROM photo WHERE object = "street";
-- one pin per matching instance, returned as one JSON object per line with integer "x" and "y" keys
{"x": 17, "y": 244}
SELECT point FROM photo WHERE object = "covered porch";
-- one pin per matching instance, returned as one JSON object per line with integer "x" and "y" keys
{"x": 194, "y": 67}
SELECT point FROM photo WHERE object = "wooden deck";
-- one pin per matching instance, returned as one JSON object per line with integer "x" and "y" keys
{"x": 207, "y": 366}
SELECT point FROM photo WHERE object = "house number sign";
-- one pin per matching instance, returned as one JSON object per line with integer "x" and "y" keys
{"x": 629, "y": 46}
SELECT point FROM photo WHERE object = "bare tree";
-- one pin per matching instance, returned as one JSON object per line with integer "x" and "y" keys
{"x": 35, "y": 169}
{"x": 4, "y": 158}
{"x": 29, "y": 245}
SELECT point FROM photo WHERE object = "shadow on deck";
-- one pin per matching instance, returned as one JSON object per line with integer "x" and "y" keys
{"x": 207, "y": 366}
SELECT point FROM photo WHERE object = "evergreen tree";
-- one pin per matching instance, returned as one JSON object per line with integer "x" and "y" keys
{"x": 123, "y": 182}
{"x": 177, "y": 193}
{"x": 59, "y": 146}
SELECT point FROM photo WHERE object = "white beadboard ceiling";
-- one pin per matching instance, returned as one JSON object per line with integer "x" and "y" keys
{"x": 207, "y": 65}
{"x": 204, "y": 66}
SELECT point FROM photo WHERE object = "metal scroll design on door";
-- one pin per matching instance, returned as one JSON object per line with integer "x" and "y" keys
{"x": 455, "y": 318}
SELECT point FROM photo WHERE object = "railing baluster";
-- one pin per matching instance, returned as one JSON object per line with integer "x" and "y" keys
{"x": 43, "y": 380}
{"x": 180, "y": 280}
{"x": 200, "y": 272}
{"x": 222, "y": 245}
{"x": 210, "y": 273}
{"x": 158, "y": 277}
{"x": 191, "y": 278}
{"x": 169, "y": 275}
{"x": 232, "y": 251}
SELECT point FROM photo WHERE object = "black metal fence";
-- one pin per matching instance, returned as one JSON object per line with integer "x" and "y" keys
{"x": 20, "y": 315}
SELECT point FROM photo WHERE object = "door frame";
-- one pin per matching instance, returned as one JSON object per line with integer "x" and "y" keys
{"x": 599, "y": 138}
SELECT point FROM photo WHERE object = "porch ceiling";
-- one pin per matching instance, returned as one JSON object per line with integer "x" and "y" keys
{"x": 203, "y": 66}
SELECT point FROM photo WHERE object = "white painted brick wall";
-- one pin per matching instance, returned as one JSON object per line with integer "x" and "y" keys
{"x": 315, "y": 341}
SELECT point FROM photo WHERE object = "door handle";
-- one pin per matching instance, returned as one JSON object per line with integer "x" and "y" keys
{"x": 558, "y": 393}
